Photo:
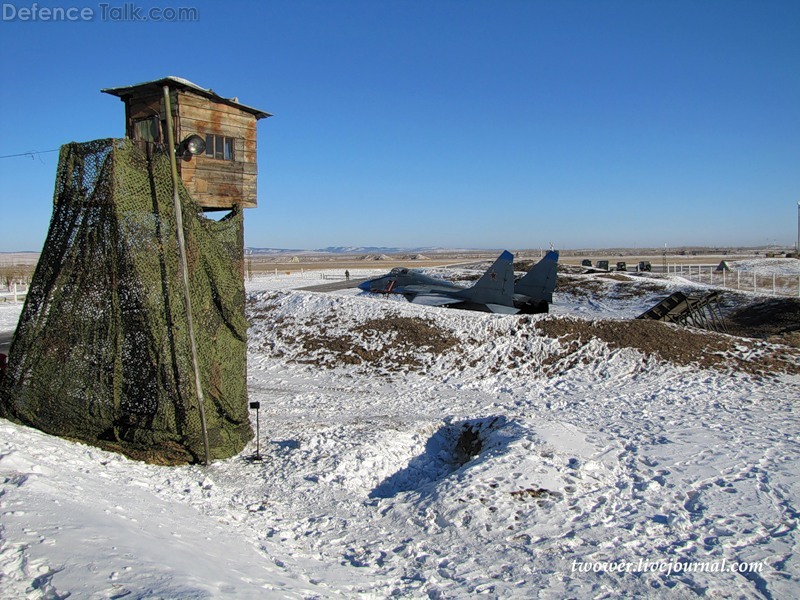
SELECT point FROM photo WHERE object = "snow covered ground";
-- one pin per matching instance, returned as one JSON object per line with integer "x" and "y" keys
{"x": 767, "y": 266}
{"x": 420, "y": 452}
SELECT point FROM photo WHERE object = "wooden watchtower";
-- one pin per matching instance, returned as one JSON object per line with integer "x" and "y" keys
{"x": 223, "y": 173}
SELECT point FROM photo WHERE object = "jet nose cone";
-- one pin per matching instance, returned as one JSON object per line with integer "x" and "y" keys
{"x": 365, "y": 286}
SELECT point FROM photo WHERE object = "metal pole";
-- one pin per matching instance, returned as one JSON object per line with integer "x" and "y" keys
{"x": 258, "y": 435}
{"x": 176, "y": 201}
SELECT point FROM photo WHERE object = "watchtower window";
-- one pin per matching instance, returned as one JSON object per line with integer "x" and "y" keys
{"x": 147, "y": 130}
{"x": 219, "y": 147}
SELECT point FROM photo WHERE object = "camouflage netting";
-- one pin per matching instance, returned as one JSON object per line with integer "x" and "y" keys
{"x": 101, "y": 353}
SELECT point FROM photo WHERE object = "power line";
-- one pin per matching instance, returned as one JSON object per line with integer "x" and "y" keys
{"x": 31, "y": 153}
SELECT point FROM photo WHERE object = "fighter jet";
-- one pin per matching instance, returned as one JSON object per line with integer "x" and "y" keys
{"x": 493, "y": 292}
{"x": 533, "y": 292}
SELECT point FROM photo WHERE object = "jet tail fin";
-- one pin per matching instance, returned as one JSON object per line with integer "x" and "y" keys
{"x": 496, "y": 286}
{"x": 540, "y": 282}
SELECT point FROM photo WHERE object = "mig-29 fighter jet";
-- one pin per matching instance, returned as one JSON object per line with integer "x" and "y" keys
{"x": 530, "y": 294}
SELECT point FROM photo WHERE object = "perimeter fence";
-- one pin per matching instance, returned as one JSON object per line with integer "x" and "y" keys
{"x": 769, "y": 284}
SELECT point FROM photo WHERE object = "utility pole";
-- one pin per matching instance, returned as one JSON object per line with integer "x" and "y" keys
{"x": 176, "y": 204}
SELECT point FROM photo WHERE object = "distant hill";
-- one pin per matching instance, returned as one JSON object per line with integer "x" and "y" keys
{"x": 273, "y": 251}
{"x": 351, "y": 250}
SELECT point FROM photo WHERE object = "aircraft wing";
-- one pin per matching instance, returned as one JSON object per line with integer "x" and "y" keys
{"x": 435, "y": 300}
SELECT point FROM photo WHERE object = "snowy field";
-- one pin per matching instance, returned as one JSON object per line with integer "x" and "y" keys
{"x": 767, "y": 266}
{"x": 773, "y": 276}
{"x": 420, "y": 452}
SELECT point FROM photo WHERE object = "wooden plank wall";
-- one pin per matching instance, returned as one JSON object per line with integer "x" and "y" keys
{"x": 216, "y": 183}
{"x": 213, "y": 183}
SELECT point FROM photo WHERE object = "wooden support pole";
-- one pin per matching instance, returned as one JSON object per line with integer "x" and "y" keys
{"x": 176, "y": 201}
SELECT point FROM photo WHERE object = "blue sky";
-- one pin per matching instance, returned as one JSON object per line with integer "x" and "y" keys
{"x": 469, "y": 123}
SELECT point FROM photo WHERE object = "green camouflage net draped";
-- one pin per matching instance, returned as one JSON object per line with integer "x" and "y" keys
{"x": 101, "y": 353}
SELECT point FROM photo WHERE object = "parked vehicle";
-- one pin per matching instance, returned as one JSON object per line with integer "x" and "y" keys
{"x": 644, "y": 265}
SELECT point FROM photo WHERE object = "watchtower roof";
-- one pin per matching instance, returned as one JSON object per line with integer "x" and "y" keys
{"x": 182, "y": 84}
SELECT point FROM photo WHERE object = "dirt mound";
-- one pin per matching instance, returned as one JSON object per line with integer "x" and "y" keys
{"x": 464, "y": 278}
{"x": 678, "y": 345}
{"x": 393, "y": 343}
{"x": 390, "y": 342}
{"x": 580, "y": 287}
{"x": 409, "y": 331}
{"x": 776, "y": 319}
{"x": 615, "y": 277}
{"x": 524, "y": 265}
{"x": 614, "y": 285}
{"x": 571, "y": 269}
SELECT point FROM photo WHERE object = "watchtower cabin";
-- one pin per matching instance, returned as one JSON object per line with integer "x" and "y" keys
{"x": 218, "y": 168}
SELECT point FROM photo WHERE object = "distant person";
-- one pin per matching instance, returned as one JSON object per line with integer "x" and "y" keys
{"x": 347, "y": 275}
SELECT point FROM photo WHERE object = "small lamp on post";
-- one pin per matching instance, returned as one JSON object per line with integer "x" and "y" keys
{"x": 257, "y": 456}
